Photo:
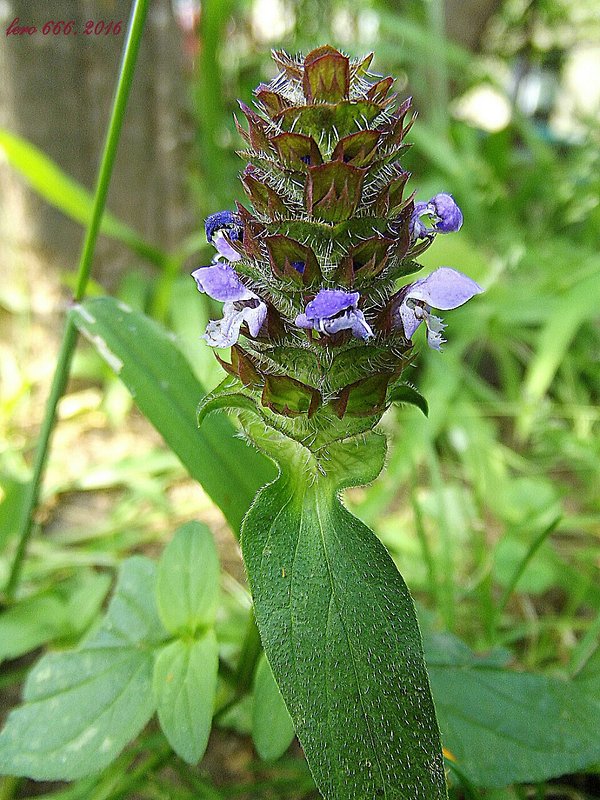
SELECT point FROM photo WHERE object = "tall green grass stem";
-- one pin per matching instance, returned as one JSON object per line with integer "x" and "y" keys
{"x": 127, "y": 69}
{"x": 432, "y": 577}
{"x": 520, "y": 568}
{"x": 447, "y": 587}
{"x": 9, "y": 786}
{"x": 210, "y": 112}
{"x": 438, "y": 67}
{"x": 69, "y": 340}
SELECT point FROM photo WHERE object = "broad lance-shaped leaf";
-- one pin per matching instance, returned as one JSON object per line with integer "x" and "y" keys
{"x": 166, "y": 391}
{"x": 339, "y": 629}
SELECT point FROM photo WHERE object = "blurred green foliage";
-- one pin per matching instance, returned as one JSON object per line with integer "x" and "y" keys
{"x": 490, "y": 506}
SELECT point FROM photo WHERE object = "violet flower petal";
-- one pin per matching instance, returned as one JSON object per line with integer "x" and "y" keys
{"x": 409, "y": 320}
{"x": 224, "y": 248}
{"x": 220, "y": 282}
{"x": 435, "y": 327}
{"x": 444, "y": 289}
{"x": 221, "y": 227}
{"x": 360, "y": 327}
{"x": 335, "y": 310}
{"x": 445, "y": 214}
{"x": 254, "y": 317}
{"x": 302, "y": 321}
{"x": 226, "y": 331}
{"x": 223, "y": 221}
{"x": 329, "y": 302}
{"x": 450, "y": 218}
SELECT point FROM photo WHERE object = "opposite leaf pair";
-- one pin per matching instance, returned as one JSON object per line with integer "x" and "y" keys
{"x": 155, "y": 650}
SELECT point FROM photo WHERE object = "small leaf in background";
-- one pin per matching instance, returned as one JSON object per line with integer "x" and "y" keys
{"x": 272, "y": 726}
{"x": 184, "y": 685}
{"x": 539, "y": 575}
{"x": 166, "y": 391}
{"x": 63, "y": 612}
{"x": 81, "y": 707}
{"x": 187, "y": 586}
{"x": 504, "y": 726}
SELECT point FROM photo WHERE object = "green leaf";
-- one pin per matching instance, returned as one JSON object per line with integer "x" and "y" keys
{"x": 184, "y": 684}
{"x": 227, "y": 394}
{"x": 82, "y": 707}
{"x": 272, "y": 726}
{"x": 289, "y": 397}
{"x": 64, "y": 611}
{"x": 187, "y": 586}
{"x": 333, "y": 191}
{"x": 504, "y": 726}
{"x": 326, "y": 77}
{"x": 405, "y": 393}
{"x": 64, "y": 193}
{"x": 364, "y": 398}
{"x": 345, "y": 117}
{"x": 340, "y": 632}
{"x": 166, "y": 391}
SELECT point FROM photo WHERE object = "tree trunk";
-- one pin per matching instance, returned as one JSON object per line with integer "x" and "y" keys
{"x": 56, "y": 91}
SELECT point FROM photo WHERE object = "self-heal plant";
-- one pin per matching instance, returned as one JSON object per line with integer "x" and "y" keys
{"x": 321, "y": 330}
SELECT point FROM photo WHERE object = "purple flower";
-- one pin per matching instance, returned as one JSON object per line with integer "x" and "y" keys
{"x": 445, "y": 288}
{"x": 335, "y": 310}
{"x": 446, "y": 217}
{"x": 241, "y": 305}
{"x": 220, "y": 225}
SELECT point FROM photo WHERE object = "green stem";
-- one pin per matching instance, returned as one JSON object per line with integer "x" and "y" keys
{"x": 130, "y": 53}
{"x": 243, "y": 676}
{"x": 69, "y": 340}
{"x": 125, "y": 785}
{"x": 8, "y": 787}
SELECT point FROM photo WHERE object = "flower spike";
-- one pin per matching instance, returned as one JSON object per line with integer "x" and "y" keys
{"x": 329, "y": 228}
{"x": 320, "y": 338}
